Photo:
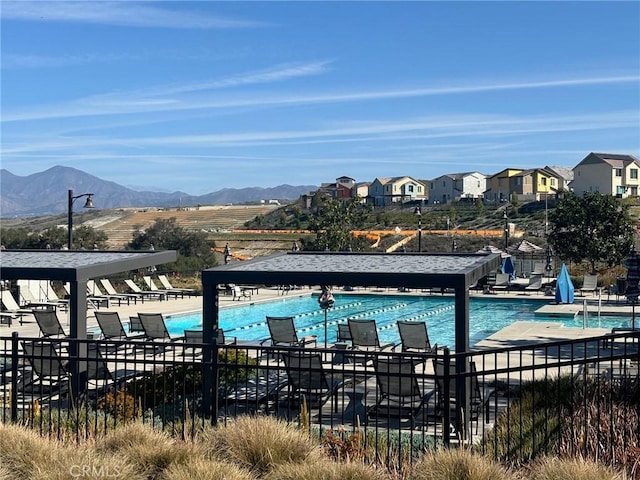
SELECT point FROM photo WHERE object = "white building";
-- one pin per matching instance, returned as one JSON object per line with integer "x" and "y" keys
{"x": 455, "y": 186}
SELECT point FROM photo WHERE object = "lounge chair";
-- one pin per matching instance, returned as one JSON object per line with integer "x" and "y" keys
{"x": 480, "y": 396}
{"x": 155, "y": 330}
{"x": 343, "y": 334}
{"x": 399, "y": 394}
{"x": 146, "y": 293}
{"x": 282, "y": 331}
{"x": 154, "y": 288}
{"x": 306, "y": 377}
{"x": 112, "y": 328}
{"x": 589, "y": 284}
{"x": 108, "y": 287}
{"x": 49, "y": 374}
{"x": 94, "y": 291}
{"x": 166, "y": 284}
{"x": 49, "y": 324}
{"x": 364, "y": 335}
{"x": 534, "y": 285}
{"x": 11, "y": 308}
{"x": 414, "y": 336}
{"x": 538, "y": 269}
{"x": 34, "y": 294}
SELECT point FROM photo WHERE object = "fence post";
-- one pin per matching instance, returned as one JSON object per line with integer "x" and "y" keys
{"x": 14, "y": 377}
{"x": 446, "y": 401}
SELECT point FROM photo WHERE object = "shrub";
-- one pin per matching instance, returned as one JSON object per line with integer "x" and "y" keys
{"x": 203, "y": 469}
{"x": 571, "y": 469}
{"x": 147, "y": 450}
{"x": 119, "y": 404}
{"x": 326, "y": 470}
{"x": 456, "y": 464}
{"x": 260, "y": 443}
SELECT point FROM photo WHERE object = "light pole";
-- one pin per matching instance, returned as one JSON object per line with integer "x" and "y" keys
{"x": 506, "y": 230}
{"x": 87, "y": 204}
{"x": 418, "y": 213}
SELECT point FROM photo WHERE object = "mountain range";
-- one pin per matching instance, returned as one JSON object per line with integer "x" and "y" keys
{"x": 45, "y": 193}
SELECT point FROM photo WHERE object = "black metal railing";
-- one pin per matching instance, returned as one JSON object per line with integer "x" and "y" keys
{"x": 575, "y": 396}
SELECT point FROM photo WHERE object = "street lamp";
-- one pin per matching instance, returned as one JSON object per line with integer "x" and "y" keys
{"x": 87, "y": 204}
{"x": 506, "y": 230}
{"x": 418, "y": 213}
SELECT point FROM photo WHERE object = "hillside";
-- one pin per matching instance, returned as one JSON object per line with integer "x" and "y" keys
{"x": 120, "y": 225}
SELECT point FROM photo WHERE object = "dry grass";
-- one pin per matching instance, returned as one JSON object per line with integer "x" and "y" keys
{"x": 203, "y": 469}
{"x": 26, "y": 455}
{"x": 457, "y": 464}
{"x": 326, "y": 470}
{"x": 148, "y": 451}
{"x": 261, "y": 443}
{"x": 553, "y": 468}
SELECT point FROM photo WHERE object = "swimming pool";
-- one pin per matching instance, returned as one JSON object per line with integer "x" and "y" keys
{"x": 486, "y": 316}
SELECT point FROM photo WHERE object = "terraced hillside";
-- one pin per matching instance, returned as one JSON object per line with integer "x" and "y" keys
{"x": 123, "y": 223}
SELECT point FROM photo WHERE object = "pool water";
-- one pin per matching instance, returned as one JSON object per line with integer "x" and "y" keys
{"x": 486, "y": 316}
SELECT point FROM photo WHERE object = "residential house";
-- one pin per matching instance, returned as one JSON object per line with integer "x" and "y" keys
{"x": 501, "y": 185}
{"x": 534, "y": 184}
{"x": 607, "y": 173}
{"x": 455, "y": 186}
{"x": 565, "y": 176}
{"x": 361, "y": 189}
{"x": 342, "y": 189}
{"x": 389, "y": 191}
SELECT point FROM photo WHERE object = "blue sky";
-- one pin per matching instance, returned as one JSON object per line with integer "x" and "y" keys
{"x": 199, "y": 96}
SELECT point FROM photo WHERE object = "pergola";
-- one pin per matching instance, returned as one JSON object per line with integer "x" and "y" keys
{"x": 76, "y": 267}
{"x": 455, "y": 271}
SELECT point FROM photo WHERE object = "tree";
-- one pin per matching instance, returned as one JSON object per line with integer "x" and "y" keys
{"x": 594, "y": 228}
{"x": 334, "y": 220}
{"x": 193, "y": 248}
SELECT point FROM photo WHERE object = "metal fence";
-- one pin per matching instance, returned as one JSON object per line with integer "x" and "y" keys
{"x": 578, "y": 396}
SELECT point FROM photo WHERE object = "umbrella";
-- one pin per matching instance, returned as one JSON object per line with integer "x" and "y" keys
{"x": 326, "y": 301}
{"x": 527, "y": 247}
{"x": 509, "y": 267}
{"x": 633, "y": 277}
{"x": 564, "y": 286}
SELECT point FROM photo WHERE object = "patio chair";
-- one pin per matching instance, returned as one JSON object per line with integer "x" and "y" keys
{"x": 414, "y": 337}
{"x": 167, "y": 286}
{"x": 49, "y": 324}
{"x": 343, "y": 334}
{"x": 94, "y": 291}
{"x": 155, "y": 330}
{"x": 282, "y": 331}
{"x": 306, "y": 377}
{"x": 364, "y": 335}
{"x": 112, "y": 327}
{"x": 240, "y": 293}
{"x": 503, "y": 281}
{"x": 399, "y": 394}
{"x": 193, "y": 340}
{"x": 109, "y": 288}
{"x": 49, "y": 374}
{"x": 589, "y": 284}
{"x": 534, "y": 285}
{"x": 146, "y": 293}
{"x": 480, "y": 396}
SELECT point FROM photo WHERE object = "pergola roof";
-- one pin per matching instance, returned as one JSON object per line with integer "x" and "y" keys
{"x": 69, "y": 265}
{"x": 413, "y": 270}
{"x": 76, "y": 267}
{"x": 456, "y": 271}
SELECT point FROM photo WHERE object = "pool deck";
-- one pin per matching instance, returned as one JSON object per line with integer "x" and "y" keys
{"x": 522, "y": 331}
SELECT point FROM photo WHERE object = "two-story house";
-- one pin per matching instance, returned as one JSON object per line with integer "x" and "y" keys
{"x": 535, "y": 184}
{"x": 501, "y": 185}
{"x": 389, "y": 191}
{"x": 454, "y": 186}
{"x": 607, "y": 173}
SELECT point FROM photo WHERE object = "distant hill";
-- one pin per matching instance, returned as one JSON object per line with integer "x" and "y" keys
{"x": 45, "y": 193}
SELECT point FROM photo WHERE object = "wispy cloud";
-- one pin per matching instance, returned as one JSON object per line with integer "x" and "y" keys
{"x": 126, "y": 14}
{"x": 129, "y": 103}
